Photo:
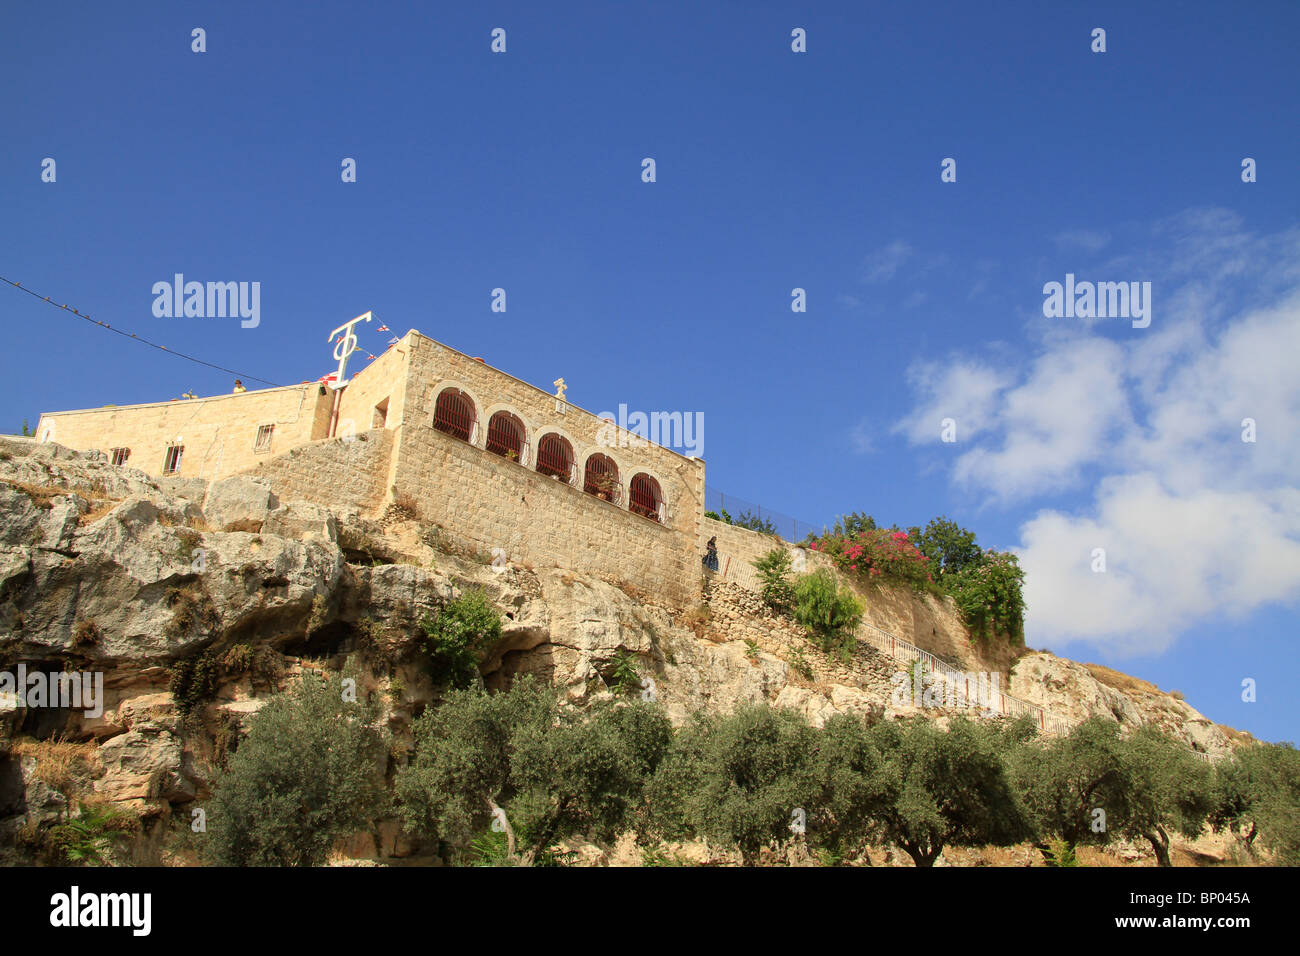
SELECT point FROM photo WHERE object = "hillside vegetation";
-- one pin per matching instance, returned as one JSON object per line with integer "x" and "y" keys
{"x": 288, "y": 684}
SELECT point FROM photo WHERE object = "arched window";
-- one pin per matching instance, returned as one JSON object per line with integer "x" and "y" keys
{"x": 601, "y": 479}
{"x": 455, "y": 415}
{"x": 555, "y": 457}
{"x": 505, "y": 437}
{"x": 646, "y": 498}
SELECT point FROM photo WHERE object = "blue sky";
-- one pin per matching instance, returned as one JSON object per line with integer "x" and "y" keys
{"x": 775, "y": 170}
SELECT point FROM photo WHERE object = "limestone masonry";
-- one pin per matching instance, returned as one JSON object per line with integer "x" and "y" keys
{"x": 506, "y": 467}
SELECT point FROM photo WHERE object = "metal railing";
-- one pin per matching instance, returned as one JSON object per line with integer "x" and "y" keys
{"x": 555, "y": 458}
{"x": 747, "y": 514}
{"x": 645, "y": 499}
{"x": 733, "y": 571}
{"x": 454, "y": 415}
{"x": 600, "y": 479}
{"x": 505, "y": 437}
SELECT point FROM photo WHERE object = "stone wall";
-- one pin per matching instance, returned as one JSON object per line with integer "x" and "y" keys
{"x": 930, "y": 622}
{"x": 218, "y": 433}
{"x": 385, "y": 445}
{"x": 435, "y": 367}
{"x": 739, "y": 547}
{"x": 490, "y": 502}
{"x": 381, "y": 382}
{"x": 341, "y": 473}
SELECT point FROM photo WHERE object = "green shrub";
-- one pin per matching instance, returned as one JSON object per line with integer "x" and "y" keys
{"x": 90, "y": 838}
{"x": 310, "y": 771}
{"x": 1060, "y": 853}
{"x": 736, "y": 780}
{"x": 194, "y": 680}
{"x": 458, "y": 637}
{"x": 932, "y": 788}
{"x": 990, "y": 597}
{"x": 626, "y": 678}
{"x": 1257, "y": 797}
{"x": 774, "y": 571}
{"x": 553, "y": 772}
{"x": 754, "y": 522}
{"x": 949, "y": 547}
{"x": 800, "y": 664}
{"x": 828, "y": 612}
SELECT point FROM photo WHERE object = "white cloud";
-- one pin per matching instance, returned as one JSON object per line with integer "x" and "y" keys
{"x": 1194, "y": 520}
{"x": 881, "y": 265}
{"x": 1171, "y": 560}
{"x": 1089, "y": 240}
{"x": 1064, "y": 413}
{"x": 966, "y": 392}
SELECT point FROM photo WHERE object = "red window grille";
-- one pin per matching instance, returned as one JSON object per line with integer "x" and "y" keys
{"x": 454, "y": 414}
{"x": 601, "y": 479}
{"x": 645, "y": 498}
{"x": 555, "y": 457}
{"x": 505, "y": 437}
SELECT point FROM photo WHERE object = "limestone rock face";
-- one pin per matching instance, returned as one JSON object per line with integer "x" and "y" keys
{"x": 142, "y": 764}
{"x": 238, "y": 499}
{"x": 105, "y": 570}
{"x": 1070, "y": 690}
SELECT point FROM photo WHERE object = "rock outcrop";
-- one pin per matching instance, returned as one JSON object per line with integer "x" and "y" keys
{"x": 105, "y": 570}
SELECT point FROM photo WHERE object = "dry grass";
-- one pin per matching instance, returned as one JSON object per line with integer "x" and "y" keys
{"x": 97, "y": 510}
{"x": 634, "y": 592}
{"x": 696, "y": 619}
{"x": 86, "y": 633}
{"x": 191, "y": 608}
{"x": 403, "y": 507}
{"x": 1235, "y": 735}
{"x": 250, "y": 525}
{"x": 1123, "y": 682}
{"x": 58, "y": 761}
{"x": 43, "y": 497}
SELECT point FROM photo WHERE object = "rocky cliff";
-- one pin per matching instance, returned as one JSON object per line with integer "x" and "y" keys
{"x": 105, "y": 570}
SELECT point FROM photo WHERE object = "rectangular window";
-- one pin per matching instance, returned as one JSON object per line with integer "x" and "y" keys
{"x": 172, "y": 464}
{"x": 263, "y": 442}
{"x": 120, "y": 455}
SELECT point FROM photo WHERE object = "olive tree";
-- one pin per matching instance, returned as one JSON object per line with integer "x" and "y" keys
{"x": 936, "y": 788}
{"x": 310, "y": 770}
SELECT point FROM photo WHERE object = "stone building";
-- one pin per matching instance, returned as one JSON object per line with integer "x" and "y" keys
{"x": 506, "y": 466}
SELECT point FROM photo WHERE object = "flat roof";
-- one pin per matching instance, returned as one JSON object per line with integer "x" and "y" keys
{"x": 409, "y": 333}
{"x": 175, "y": 401}
{"x": 543, "y": 391}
